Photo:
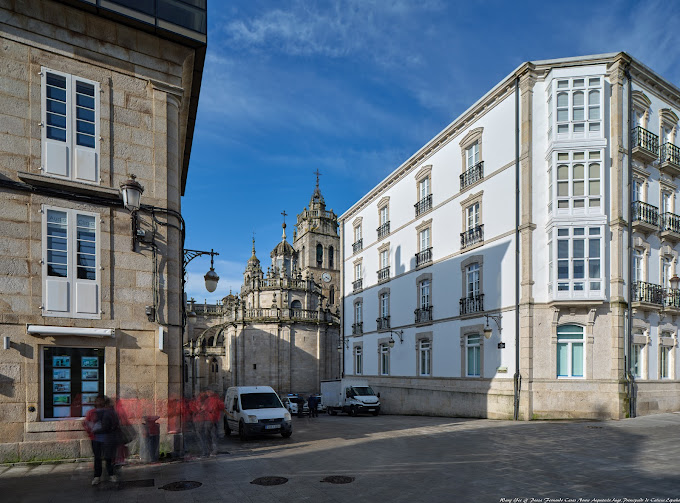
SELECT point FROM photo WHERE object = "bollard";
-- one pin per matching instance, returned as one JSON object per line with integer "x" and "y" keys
{"x": 151, "y": 431}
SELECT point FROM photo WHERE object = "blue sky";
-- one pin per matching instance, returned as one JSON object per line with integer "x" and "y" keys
{"x": 353, "y": 88}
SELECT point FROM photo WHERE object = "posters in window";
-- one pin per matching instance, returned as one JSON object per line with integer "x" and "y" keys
{"x": 61, "y": 386}
{"x": 61, "y": 399}
{"x": 60, "y": 412}
{"x": 61, "y": 361}
{"x": 89, "y": 398}
{"x": 90, "y": 374}
{"x": 61, "y": 374}
{"x": 89, "y": 362}
{"x": 90, "y": 386}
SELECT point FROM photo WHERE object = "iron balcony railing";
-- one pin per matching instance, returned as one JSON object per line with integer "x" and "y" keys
{"x": 424, "y": 257}
{"x": 646, "y": 140}
{"x": 425, "y": 204}
{"x": 472, "y": 175}
{"x": 356, "y": 285}
{"x": 423, "y": 314}
{"x": 645, "y": 213}
{"x": 671, "y": 298}
{"x": 670, "y": 222}
{"x": 358, "y": 246}
{"x": 472, "y": 304}
{"x": 384, "y": 274}
{"x": 383, "y": 230}
{"x": 648, "y": 293}
{"x": 358, "y": 328}
{"x": 383, "y": 322}
{"x": 472, "y": 236}
{"x": 670, "y": 153}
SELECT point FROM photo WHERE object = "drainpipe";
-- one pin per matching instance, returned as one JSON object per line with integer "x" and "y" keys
{"x": 629, "y": 377}
{"x": 518, "y": 379}
{"x": 342, "y": 311}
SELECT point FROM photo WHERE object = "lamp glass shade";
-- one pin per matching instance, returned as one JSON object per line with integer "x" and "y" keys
{"x": 487, "y": 332}
{"x": 339, "y": 348}
{"x": 211, "y": 279}
{"x": 131, "y": 191}
{"x": 675, "y": 282}
{"x": 390, "y": 343}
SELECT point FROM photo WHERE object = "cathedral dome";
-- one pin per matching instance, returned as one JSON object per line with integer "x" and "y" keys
{"x": 283, "y": 249}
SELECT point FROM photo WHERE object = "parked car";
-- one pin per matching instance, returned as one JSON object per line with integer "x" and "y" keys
{"x": 290, "y": 402}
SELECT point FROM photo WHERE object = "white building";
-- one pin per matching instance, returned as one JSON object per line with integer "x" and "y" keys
{"x": 437, "y": 315}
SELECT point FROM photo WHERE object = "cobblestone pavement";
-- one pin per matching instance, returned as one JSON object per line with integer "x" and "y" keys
{"x": 399, "y": 459}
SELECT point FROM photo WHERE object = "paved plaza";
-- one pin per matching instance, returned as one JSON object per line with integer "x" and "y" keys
{"x": 398, "y": 459}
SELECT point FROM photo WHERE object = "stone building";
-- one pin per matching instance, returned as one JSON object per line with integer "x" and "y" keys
{"x": 90, "y": 293}
{"x": 282, "y": 330}
{"x": 523, "y": 263}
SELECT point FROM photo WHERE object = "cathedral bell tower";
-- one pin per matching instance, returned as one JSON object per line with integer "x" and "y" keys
{"x": 317, "y": 244}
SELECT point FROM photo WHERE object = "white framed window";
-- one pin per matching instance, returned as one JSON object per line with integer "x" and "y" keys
{"x": 357, "y": 233}
{"x": 664, "y": 360}
{"x": 638, "y": 189}
{"x": 636, "y": 361}
{"x": 384, "y": 215}
{"x": 424, "y": 239}
{"x": 358, "y": 360}
{"x": 424, "y": 188}
{"x": 472, "y": 216}
{"x": 472, "y": 155}
{"x": 384, "y": 259}
{"x": 578, "y": 177}
{"x": 424, "y": 293}
{"x": 551, "y": 262}
{"x": 357, "y": 271}
{"x": 358, "y": 312}
{"x": 638, "y": 261}
{"x": 70, "y": 271}
{"x": 473, "y": 360}
{"x": 70, "y": 126}
{"x": 472, "y": 280}
{"x": 425, "y": 357}
{"x": 577, "y": 108}
{"x": 666, "y": 271}
{"x": 666, "y": 202}
{"x": 384, "y": 305}
{"x": 570, "y": 354}
{"x": 579, "y": 262}
{"x": 384, "y": 359}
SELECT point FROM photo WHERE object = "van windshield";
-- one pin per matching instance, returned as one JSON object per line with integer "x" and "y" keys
{"x": 363, "y": 390}
{"x": 260, "y": 401}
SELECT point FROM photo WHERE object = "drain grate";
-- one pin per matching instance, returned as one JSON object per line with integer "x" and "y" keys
{"x": 137, "y": 483}
{"x": 270, "y": 481}
{"x": 594, "y": 427}
{"x": 182, "y": 485}
{"x": 338, "y": 479}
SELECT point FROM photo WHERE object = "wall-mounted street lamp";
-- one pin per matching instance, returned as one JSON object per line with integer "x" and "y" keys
{"x": 131, "y": 191}
{"x": 488, "y": 330}
{"x": 211, "y": 277}
{"x": 344, "y": 342}
{"x": 675, "y": 282}
{"x": 399, "y": 333}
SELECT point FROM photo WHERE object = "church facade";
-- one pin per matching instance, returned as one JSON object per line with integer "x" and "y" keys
{"x": 283, "y": 328}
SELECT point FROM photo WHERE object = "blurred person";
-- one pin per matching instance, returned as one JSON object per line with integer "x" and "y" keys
{"x": 102, "y": 426}
{"x": 201, "y": 420}
{"x": 215, "y": 410}
{"x": 313, "y": 402}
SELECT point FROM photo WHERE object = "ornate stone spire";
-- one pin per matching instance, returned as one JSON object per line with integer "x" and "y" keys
{"x": 316, "y": 196}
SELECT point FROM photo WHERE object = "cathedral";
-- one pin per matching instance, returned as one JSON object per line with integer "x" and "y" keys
{"x": 283, "y": 328}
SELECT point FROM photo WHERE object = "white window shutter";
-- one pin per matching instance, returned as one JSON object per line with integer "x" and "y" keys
{"x": 55, "y": 152}
{"x": 57, "y": 295}
{"x": 86, "y": 297}
{"x": 86, "y": 111}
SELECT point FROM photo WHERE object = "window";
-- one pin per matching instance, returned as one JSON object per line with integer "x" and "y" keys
{"x": 636, "y": 361}
{"x": 70, "y": 263}
{"x": 577, "y": 108}
{"x": 331, "y": 294}
{"x": 319, "y": 255}
{"x": 424, "y": 190}
{"x": 358, "y": 317}
{"x": 357, "y": 271}
{"x": 330, "y": 257}
{"x": 357, "y": 233}
{"x": 472, "y": 155}
{"x": 424, "y": 255}
{"x": 384, "y": 305}
{"x": 72, "y": 378}
{"x": 579, "y": 252}
{"x": 472, "y": 216}
{"x": 666, "y": 271}
{"x": 425, "y": 357}
{"x": 358, "y": 280}
{"x": 570, "y": 355}
{"x": 472, "y": 280}
{"x": 358, "y": 360}
{"x": 358, "y": 325}
{"x": 358, "y": 242}
{"x": 214, "y": 368}
{"x": 473, "y": 355}
{"x": 383, "y": 216}
{"x": 384, "y": 359}
{"x": 473, "y": 230}
{"x": 637, "y": 265}
{"x": 664, "y": 360}
{"x": 384, "y": 261}
{"x": 578, "y": 181}
{"x": 638, "y": 189}
{"x": 70, "y": 126}
{"x": 424, "y": 294}
{"x": 424, "y": 239}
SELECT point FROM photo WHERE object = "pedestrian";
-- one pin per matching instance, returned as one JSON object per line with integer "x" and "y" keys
{"x": 102, "y": 425}
{"x": 215, "y": 409}
{"x": 313, "y": 412}
{"x": 301, "y": 405}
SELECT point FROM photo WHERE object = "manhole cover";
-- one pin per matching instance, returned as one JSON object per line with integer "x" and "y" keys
{"x": 270, "y": 481}
{"x": 182, "y": 485}
{"x": 138, "y": 483}
{"x": 594, "y": 427}
{"x": 338, "y": 479}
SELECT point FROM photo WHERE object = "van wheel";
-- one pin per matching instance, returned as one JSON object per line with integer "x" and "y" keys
{"x": 332, "y": 412}
{"x": 227, "y": 430}
{"x": 242, "y": 432}
{"x": 286, "y": 434}
{"x": 353, "y": 411}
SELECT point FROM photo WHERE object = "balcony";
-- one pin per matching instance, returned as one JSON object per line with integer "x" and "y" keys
{"x": 384, "y": 274}
{"x": 472, "y": 175}
{"x": 645, "y": 145}
{"x": 671, "y": 301}
{"x": 383, "y": 323}
{"x": 472, "y": 236}
{"x": 425, "y": 204}
{"x": 472, "y": 304}
{"x": 383, "y": 230}
{"x": 647, "y": 295}
{"x": 357, "y": 284}
{"x": 670, "y": 227}
{"x": 423, "y": 314}
{"x": 645, "y": 217}
{"x": 670, "y": 160}
{"x": 358, "y": 246}
{"x": 357, "y": 328}
{"x": 424, "y": 257}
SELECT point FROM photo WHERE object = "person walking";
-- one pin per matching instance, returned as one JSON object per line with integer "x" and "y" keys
{"x": 312, "y": 401}
{"x": 102, "y": 425}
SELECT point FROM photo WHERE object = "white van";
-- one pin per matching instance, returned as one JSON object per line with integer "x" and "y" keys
{"x": 255, "y": 410}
